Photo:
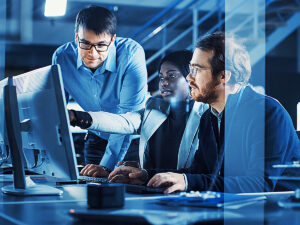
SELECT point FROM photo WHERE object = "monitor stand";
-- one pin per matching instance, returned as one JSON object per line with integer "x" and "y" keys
{"x": 22, "y": 186}
{"x": 31, "y": 189}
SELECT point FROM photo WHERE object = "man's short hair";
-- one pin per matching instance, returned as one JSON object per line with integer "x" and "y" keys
{"x": 229, "y": 54}
{"x": 97, "y": 19}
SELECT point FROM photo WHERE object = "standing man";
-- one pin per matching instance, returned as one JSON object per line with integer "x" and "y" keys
{"x": 103, "y": 72}
{"x": 241, "y": 136}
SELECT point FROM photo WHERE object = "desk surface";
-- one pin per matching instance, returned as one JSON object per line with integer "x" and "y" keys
{"x": 55, "y": 210}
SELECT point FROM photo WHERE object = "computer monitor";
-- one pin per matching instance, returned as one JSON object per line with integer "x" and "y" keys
{"x": 4, "y": 149}
{"x": 47, "y": 144}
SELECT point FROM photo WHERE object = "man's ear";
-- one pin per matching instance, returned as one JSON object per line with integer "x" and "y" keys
{"x": 226, "y": 76}
{"x": 113, "y": 39}
{"x": 76, "y": 37}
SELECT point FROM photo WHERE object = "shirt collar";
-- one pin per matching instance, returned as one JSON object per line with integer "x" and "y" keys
{"x": 215, "y": 113}
{"x": 110, "y": 63}
{"x": 79, "y": 60}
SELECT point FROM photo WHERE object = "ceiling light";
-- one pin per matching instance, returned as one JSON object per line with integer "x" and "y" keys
{"x": 55, "y": 8}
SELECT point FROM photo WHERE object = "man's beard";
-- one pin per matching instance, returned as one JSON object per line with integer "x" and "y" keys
{"x": 208, "y": 94}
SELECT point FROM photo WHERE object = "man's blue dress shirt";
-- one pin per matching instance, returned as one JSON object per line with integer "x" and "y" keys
{"x": 118, "y": 86}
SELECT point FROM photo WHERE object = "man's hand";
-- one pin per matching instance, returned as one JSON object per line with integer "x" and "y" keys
{"x": 129, "y": 163}
{"x": 80, "y": 119}
{"x": 128, "y": 175}
{"x": 71, "y": 115}
{"x": 174, "y": 180}
{"x": 92, "y": 170}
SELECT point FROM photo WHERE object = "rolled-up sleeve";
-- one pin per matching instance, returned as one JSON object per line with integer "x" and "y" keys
{"x": 133, "y": 96}
{"x": 128, "y": 123}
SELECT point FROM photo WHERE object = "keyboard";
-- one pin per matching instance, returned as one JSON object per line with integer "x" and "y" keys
{"x": 141, "y": 189}
{"x": 101, "y": 180}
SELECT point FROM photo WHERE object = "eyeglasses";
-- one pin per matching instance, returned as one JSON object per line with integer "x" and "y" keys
{"x": 98, "y": 47}
{"x": 194, "y": 70}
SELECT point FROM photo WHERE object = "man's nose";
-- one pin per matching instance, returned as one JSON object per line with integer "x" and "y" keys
{"x": 189, "y": 77}
{"x": 93, "y": 51}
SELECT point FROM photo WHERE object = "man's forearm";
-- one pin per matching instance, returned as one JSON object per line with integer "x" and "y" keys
{"x": 128, "y": 123}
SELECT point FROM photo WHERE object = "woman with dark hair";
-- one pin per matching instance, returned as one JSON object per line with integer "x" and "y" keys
{"x": 161, "y": 124}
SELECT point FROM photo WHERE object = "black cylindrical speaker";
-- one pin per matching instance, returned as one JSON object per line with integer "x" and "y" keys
{"x": 105, "y": 195}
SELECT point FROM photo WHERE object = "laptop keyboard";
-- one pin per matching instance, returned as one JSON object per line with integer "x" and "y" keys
{"x": 101, "y": 180}
{"x": 140, "y": 189}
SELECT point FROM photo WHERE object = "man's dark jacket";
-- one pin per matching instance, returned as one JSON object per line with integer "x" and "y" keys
{"x": 256, "y": 133}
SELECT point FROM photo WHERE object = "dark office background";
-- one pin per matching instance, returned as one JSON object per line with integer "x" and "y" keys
{"x": 31, "y": 38}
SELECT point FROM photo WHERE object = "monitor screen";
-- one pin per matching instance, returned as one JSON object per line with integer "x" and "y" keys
{"x": 46, "y": 139}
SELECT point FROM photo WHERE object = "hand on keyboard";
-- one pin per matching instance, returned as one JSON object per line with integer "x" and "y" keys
{"x": 129, "y": 163}
{"x": 128, "y": 175}
{"x": 174, "y": 181}
{"x": 92, "y": 170}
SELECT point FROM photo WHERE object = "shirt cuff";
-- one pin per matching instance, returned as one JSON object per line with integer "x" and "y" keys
{"x": 108, "y": 162}
{"x": 186, "y": 182}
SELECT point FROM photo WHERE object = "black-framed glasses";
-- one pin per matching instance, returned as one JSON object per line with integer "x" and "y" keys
{"x": 195, "y": 69}
{"x": 98, "y": 47}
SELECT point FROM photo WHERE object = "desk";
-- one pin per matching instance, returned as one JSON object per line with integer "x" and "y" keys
{"x": 54, "y": 209}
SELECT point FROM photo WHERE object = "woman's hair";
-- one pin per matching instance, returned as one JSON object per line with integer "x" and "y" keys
{"x": 181, "y": 59}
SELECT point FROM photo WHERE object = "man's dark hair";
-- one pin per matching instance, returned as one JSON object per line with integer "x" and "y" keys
{"x": 97, "y": 19}
{"x": 229, "y": 54}
{"x": 180, "y": 59}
